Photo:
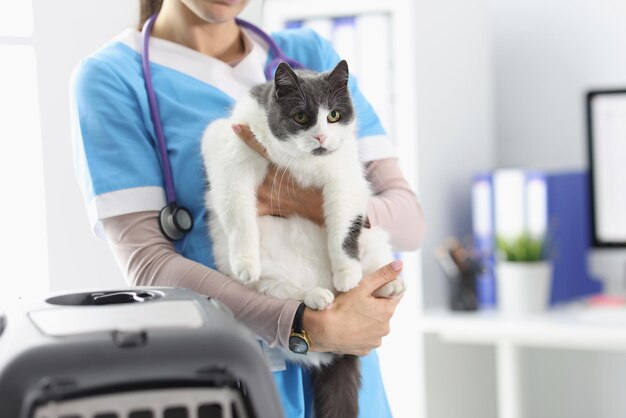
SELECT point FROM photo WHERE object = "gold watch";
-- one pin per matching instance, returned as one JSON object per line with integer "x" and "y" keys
{"x": 298, "y": 339}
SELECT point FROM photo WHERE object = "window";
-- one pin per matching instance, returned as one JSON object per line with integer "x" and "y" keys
{"x": 23, "y": 216}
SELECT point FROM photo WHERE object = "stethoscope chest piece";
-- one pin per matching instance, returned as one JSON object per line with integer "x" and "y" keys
{"x": 175, "y": 222}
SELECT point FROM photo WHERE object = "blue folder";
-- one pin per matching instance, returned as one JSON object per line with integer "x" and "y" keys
{"x": 569, "y": 215}
{"x": 568, "y": 230}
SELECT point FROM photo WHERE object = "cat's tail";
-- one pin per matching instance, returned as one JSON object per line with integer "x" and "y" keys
{"x": 336, "y": 388}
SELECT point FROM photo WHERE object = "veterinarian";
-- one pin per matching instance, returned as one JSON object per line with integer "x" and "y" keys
{"x": 201, "y": 62}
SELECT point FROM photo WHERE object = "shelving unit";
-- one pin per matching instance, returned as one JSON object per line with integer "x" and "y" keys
{"x": 568, "y": 327}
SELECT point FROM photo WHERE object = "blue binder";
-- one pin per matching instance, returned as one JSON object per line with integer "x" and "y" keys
{"x": 564, "y": 212}
{"x": 569, "y": 220}
{"x": 484, "y": 242}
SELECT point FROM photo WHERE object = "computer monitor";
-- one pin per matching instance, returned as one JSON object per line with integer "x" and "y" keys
{"x": 606, "y": 124}
{"x": 606, "y": 133}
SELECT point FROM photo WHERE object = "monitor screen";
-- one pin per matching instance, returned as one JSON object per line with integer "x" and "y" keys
{"x": 606, "y": 123}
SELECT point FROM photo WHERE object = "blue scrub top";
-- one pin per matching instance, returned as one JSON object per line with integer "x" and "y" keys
{"x": 118, "y": 166}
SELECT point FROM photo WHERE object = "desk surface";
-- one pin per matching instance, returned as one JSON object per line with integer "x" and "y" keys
{"x": 572, "y": 327}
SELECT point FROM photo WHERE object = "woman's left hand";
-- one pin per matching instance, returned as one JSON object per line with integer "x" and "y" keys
{"x": 279, "y": 194}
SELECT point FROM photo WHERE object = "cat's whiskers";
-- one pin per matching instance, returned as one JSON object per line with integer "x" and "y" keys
{"x": 272, "y": 190}
{"x": 293, "y": 193}
{"x": 283, "y": 160}
{"x": 291, "y": 158}
{"x": 293, "y": 184}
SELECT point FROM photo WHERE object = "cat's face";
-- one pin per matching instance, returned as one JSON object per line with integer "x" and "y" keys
{"x": 311, "y": 113}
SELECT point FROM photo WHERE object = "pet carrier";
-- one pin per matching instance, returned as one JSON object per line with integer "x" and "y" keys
{"x": 132, "y": 353}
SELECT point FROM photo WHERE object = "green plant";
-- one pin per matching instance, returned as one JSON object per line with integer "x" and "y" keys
{"x": 523, "y": 248}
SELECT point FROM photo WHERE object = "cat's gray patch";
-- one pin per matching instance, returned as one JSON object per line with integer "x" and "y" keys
{"x": 351, "y": 242}
{"x": 261, "y": 93}
{"x": 303, "y": 91}
{"x": 336, "y": 388}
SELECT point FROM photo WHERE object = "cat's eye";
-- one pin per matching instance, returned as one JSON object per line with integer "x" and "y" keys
{"x": 301, "y": 118}
{"x": 333, "y": 116}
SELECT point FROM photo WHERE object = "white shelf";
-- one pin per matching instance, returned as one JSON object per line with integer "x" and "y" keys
{"x": 568, "y": 327}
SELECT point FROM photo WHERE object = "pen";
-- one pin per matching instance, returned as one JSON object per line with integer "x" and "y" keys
{"x": 447, "y": 263}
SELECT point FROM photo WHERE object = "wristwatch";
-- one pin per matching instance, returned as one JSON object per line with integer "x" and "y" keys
{"x": 298, "y": 340}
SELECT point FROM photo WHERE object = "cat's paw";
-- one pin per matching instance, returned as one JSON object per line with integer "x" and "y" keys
{"x": 319, "y": 298}
{"x": 392, "y": 289}
{"x": 348, "y": 277}
{"x": 246, "y": 268}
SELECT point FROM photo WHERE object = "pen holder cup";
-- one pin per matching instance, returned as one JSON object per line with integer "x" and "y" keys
{"x": 462, "y": 293}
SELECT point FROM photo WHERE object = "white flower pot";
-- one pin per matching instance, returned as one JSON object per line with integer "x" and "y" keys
{"x": 523, "y": 287}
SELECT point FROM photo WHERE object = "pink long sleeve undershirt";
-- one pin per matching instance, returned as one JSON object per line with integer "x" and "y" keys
{"x": 147, "y": 258}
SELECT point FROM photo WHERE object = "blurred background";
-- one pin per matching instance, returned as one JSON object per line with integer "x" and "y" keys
{"x": 486, "y": 102}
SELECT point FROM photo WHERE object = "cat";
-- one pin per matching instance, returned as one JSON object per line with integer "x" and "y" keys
{"x": 307, "y": 124}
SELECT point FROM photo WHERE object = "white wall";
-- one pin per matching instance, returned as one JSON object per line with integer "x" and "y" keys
{"x": 547, "y": 55}
{"x": 455, "y": 120}
{"x": 65, "y": 32}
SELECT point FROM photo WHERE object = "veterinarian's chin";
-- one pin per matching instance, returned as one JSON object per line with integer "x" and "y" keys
{"x": 215, "y": 11}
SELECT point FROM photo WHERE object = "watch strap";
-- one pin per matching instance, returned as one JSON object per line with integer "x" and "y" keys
{"x": 298, "y": 319}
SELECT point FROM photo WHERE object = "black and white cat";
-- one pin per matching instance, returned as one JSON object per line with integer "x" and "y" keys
{"x": 306, "y": 122}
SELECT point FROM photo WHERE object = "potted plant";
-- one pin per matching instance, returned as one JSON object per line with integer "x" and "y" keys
{"x": 523, "y": 274}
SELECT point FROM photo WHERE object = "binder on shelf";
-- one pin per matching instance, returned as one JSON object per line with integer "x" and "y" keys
{"x": 323, "y": 26}
{"x": 569, "y": 226}
{"x": 484, "y": 242}
{"x": 293, "y": 24}
{"x": 554, "y": 206}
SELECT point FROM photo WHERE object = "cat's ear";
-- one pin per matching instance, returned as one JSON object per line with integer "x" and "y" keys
{"x": 285, "y": 80}
{"x": 338, "y": 77}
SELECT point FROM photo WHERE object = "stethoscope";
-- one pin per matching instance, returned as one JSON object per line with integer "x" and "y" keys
{"x": 175, "y": 221}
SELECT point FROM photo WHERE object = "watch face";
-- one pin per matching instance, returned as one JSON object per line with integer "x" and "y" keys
{"x": 298, "y": 345}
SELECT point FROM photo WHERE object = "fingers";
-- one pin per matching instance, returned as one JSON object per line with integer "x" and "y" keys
{"x": 382, "y": 276}
{"x": 389, "y": 308}
{"x": 244, "y": 132}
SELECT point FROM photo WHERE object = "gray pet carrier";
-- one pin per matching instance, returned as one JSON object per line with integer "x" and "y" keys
{"x": 132, "y": 353}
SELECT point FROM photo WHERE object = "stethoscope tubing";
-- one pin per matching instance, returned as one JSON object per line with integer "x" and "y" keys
{"x": 278, "y": 56}
{"x": 170, "y": 191}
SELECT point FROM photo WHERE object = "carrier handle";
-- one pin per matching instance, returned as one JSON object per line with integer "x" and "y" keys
{"x": 120, "y": 297}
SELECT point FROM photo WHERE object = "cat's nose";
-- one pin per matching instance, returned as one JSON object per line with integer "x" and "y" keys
{"x": 320, "y": 138}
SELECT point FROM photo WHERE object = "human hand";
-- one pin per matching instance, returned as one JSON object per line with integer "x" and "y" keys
{"x": 357, "y": 321}
{"x": 279, "y": 194}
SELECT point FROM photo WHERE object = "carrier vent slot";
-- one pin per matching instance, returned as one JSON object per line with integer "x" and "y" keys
{"x": 144, "y": 413}
{"x": 210, "y": 411}
{"x": 233, "y": 410}
{"x": 176, "y": 412}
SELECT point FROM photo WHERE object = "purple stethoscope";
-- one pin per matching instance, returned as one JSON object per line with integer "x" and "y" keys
{"x": 175, "y": 221}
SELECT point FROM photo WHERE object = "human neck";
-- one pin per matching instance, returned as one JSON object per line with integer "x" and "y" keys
{"x": 178, "y": 24}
